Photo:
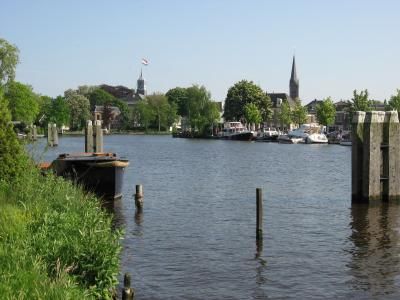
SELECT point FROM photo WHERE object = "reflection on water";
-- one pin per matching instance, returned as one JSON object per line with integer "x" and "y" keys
{"x": 375, "y": 255}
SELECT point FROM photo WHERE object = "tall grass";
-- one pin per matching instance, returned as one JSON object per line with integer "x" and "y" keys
{"x": 55, "y": 241}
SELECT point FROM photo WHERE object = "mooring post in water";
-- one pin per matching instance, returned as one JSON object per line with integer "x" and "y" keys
{"x": 391, "y": 159}
{"x": 89, "y": 136}
{"x": 139, "y": 197}
{"x": 128, "y": 293}
{"x": 98, "y": 137}
{"x": 55, "y": 134}
{"x": 34, "y": 133}
{"x": 259, "y": 225}
{"x": 49, "y": 135}
{"x": 375, "y": 156}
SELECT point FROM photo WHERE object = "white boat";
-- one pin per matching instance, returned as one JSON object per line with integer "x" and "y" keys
{"x": 268, "y": 134}
{"x": 311, "y": 133}
{"x": 286, "y": 139}
{"x": 316, "y": 138}
{"x": 235, "y": 131}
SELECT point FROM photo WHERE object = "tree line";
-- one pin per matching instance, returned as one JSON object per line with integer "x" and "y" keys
{"x": 245, "y": 102}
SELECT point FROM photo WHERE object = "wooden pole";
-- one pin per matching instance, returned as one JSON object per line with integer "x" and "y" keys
{"x": 98, "y": 134}
{"x": 89, "y": 136}
{"x": 34, "y": 129}
{"x": 127, "y": 292}
{"x": 55, "y": 134}
{"x": 139, "y": 197}
{"x": 49, "y": 135}
{"x": 357, "y": 136}
{"x": 259, "y": 229}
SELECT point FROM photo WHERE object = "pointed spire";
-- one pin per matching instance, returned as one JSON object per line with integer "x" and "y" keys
{"x": 141, "y": 74}
{"x": 293, "y": 76}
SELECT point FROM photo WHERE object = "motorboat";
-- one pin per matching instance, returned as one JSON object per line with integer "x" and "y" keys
{"x": 311, "y": 133}
{"x": 267, "y": 134}
{"x": 286, "y": 139}
{"x": 316, "y": 138}
{"x": 101, "y": 173}
{"x": 235, "y": 131}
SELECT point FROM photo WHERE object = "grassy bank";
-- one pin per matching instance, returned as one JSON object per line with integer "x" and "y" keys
{"x": 55, "y": 241}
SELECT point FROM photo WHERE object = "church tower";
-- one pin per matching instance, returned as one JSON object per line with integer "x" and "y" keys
{"x": 294, "y": 82}
{"x": 141, "y": 87}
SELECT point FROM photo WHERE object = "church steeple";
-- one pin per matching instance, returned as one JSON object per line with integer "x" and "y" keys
{"x": 294, "y": 82}
{"x": 141, "y": 87}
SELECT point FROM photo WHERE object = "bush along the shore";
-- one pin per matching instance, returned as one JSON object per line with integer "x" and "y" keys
{"x": 55, "y": 240}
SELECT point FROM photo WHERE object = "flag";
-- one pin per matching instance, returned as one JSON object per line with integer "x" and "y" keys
{"x": 145, "y": 62}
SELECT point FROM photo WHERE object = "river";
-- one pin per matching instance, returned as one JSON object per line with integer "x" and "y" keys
{"x": 196, "y": 236}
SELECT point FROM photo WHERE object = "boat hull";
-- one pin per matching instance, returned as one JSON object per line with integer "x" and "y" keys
{"x": 100, "y": 175}
{"x": 244, "y": 136}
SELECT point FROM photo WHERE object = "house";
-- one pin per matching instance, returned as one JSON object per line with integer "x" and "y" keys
{"x": 98, "y": 114}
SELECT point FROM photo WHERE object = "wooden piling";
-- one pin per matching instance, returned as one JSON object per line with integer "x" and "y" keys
{"x": 55, "y": 134}
{"x": 49, "y": 135}
{"x": 128, "y": 293}
{"x": 34, "y": 133}
{"x": 391, "y": 160}
{"x": 98, "y": 137}
{"x": 139, "y": 197}
{"x": 357, "y": 135}
{"x": 372, "y": 155}
{"x": 89, "y": 136}
{"x": 259, "y": 225}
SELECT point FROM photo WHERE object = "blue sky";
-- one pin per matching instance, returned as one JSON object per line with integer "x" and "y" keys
{"x": 339, "y": 45}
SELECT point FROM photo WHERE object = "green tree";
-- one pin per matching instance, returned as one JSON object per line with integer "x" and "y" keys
{"x": 59, "y": 112}
{"x": 178, "y": 96}
{"x": 394, "y": 102}
{"x": 79, "y": 109}
{"x": 212, "y": 116}
{"x": 299, "y": 114}
{"x": 23, "y": 102}
{"x": 285, "y": 114}
{"x": 160, "y": 106}
{"x": 244, "y": 92}
{"x": 252, "y": 114}
{"x": 326, "y": 112}
{"x": 360, "y": 102}
{"x": 12, "y": 158}
{"x": 99, "y": 97}
{"x": 8, "y": 61}
{"x": 145, "y": 113}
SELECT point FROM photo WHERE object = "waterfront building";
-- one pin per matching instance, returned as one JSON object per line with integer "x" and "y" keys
{"x": 277, "y": 100}
{"x": 127, "y": 95}
{"x": 294, "y": 82}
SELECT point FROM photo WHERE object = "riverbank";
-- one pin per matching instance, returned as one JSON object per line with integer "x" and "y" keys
{"x": 55, "y": 241}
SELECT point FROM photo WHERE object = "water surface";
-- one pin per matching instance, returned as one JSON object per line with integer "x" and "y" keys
{"x": 196, "y": 236}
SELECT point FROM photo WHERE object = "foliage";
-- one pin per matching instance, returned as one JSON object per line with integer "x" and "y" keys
{"x": 79, "y": 109}
{"x": 244, "y": 92}
{"x": 299, "y": 114}
{"x": 160, "y": 106}
{"x": 394, "y": 102}
{"x": 326, "y": 112}
{"x": 285, "y": 114}
{"x": 8, "y": 62}
{"x": 12, "y": 158}
{"x": 59, "y": 112}
{"x": 252, "y": 114}
{"x": 178, "y": 96}
{"x": 98, "y": 96}
{"x": 60, "y": 236}
{"x": 360, "y": 102}
{"x": 23, "y": 102}
{"x": 145, "y": 113}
